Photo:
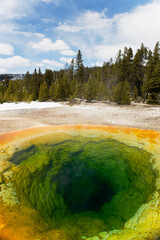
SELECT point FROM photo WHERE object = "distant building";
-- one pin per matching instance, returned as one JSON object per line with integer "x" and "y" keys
{"x": 17, "y": 76}
{"x": 12, "y": 76}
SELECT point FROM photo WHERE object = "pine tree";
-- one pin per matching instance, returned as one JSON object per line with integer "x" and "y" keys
{"x": 52, "y": 92}
{"x": 79, "y": 68}
{"x": 101, "y": 91}
{"x": 48, "y": 77}
{"x": 25, "y": 95}
{"x": 72, "y": 65}
{"x": 73, "y": 88}
{"x": 123, "y": 65}
{"x": 27, "y": 79}
{"x": 34, "y": 86}
{"x": 153, "y": 61}
{"x": 153, "y": 75}
{"x": 18, "y": 91}
{"x": 91, "y": 89}
{"x": 156, "y": 54}
{"x": 138, "y": 69}
{"x": 79, "y": 61}
{"x": 57, "y": 91}
{"x": 122, "y": 94}
{"x": 6, "y": 82}
{"x": 9, "y": 94}
{"x": 126, "y": 94}
{"x": 127, "y": 65}
{"x": 71, "y": 70}
{"x": 64, "y": 87}
{"x": 135, "y": 93}
{"x": 43, "y": 93}
{"x": 40, "y": 78}
{"x": 154, "y": 85}
{"x": 149, "y": 68}
{"x": 1, "y": 94}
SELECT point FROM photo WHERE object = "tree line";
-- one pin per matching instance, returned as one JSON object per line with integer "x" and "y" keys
{"x": 130, "y": 77}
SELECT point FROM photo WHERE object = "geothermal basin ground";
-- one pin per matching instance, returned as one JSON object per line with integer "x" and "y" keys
{"x": 21, "y": 115}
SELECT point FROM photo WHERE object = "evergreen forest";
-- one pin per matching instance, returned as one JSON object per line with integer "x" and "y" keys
{"x": 131, "y": 77}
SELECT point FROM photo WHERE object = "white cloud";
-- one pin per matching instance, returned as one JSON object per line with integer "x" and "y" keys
{"x": 16, "y": 9}
{"x": 89, "y": 20}
{"x": 66, "y": 60}
{"x": 140, "y": 25}
{"x": 6, "y": 49}
{"x": 15, "y": 61}
{"x": 47, "y": 20}
{"x": 47, "y": 45}
{"x": 100, "y": 37}
{"x": 47, "y": 1}
{"x": 68, "y": 52}
{"x": 7, "y": 28}
{"x": 11, "y": 9}
{"x": 98, "y": 64}
{"x": 53, "y": 63}
{"x": 37, "y": 64}
{"x": 29, "y": 34}
{"x": 3, "y": 70}
{"x": 69, "y": 28}
{"x": 15, "y": 30}
{"x": 106, "y": 52}
{"x": 56, "y": 2}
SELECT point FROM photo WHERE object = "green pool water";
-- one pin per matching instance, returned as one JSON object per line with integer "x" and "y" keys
{"x": 84, "y": 185}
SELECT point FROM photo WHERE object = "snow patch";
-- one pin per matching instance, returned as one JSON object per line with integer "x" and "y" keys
{"x": 32, "y": 105}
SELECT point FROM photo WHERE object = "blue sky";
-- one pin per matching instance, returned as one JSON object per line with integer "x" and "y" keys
{"x": 48, "y": 33}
